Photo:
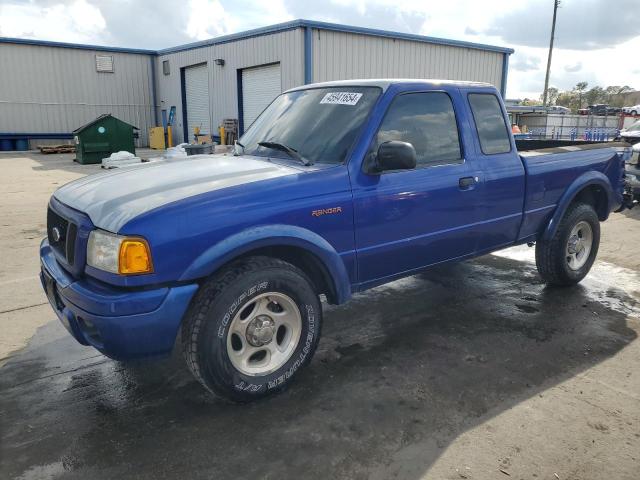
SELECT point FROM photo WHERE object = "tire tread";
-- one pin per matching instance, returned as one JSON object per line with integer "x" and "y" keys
{"x": 547, "y": 251}
{"x": 208, "y": 292}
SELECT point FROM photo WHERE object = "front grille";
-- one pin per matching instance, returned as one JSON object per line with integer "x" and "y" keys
{"x": 72, "y": 233}
{"x": 62, "y": 235}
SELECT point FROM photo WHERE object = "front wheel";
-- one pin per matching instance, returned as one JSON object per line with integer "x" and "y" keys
{"x": 568, "y": 256}
{"x": 250, "y": 329}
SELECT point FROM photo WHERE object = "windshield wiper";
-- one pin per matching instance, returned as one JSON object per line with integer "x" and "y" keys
{"x": 288, "y": 150}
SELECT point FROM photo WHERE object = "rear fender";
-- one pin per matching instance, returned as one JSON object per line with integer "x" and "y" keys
{"x": 583, "y": 181}
{"x": 273, "y": 236}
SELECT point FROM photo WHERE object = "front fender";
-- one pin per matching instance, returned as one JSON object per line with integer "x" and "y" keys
{"x": 271, "y": 236}
{"x": 585, "y": 180}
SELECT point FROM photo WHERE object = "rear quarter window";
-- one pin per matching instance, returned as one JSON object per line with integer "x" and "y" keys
{"x": 490, "y": 125}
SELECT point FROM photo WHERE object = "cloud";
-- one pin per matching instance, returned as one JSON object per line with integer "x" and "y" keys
{"x": 74, "y": 21}
{"x": 136, "y": 24}
{"x": 525, "y": 63}
{"x": 366, "y": 14}
{"x": 141, "y": 25}
{"x": 581, "y": 25}
{"x": 573, "y": 68}
{"x": 591, "y": 26}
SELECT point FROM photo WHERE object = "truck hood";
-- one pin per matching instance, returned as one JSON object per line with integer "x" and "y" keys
{"x": 113, "y": 198}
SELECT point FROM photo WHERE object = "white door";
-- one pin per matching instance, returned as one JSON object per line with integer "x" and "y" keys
{"x": 196, "y": 85}
{"x": 260, "y": 85}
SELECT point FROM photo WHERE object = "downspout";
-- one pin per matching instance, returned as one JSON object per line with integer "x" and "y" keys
{"x": 308, "y": 55}
{"x": 154, "y": 96}
{"x": 505, "y": 71}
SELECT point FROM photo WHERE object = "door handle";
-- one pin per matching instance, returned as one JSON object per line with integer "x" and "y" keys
{"x": 465, "y": 183}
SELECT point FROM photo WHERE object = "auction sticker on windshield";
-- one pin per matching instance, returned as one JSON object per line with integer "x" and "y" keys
{"x": 341, "y": 98}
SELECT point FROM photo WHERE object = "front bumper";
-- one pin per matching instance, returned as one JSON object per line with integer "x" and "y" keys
{"x": 123, "y": 324}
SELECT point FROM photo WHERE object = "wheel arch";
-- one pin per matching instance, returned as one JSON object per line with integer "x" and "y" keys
{"x": 593, "y": 188}
{"x": 301, "y": 247}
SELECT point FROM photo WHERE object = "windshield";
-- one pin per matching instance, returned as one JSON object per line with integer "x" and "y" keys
{"x": 635, "y": 127}
{"x": 318, "y": 124}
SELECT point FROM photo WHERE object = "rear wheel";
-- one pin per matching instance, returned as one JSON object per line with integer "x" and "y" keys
{"x": 250, "y": 329}
{"x": 568, "y": 256}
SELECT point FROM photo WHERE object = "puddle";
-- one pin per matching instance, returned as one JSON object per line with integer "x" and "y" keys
{"x": 606, "y": 283}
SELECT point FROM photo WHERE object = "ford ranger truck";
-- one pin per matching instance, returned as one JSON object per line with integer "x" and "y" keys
{"x": 336, "y": 188}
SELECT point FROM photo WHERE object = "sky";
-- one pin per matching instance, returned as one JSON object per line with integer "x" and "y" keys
{"x": 597, "y": 41}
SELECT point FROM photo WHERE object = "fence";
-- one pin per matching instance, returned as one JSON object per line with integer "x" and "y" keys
{"x": 588, "y": 127}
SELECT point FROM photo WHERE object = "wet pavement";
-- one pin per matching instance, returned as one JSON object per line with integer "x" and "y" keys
{"x": 474, "y": 370}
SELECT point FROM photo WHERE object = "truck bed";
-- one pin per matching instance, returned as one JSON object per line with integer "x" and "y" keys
{"x": 549, "y": 171}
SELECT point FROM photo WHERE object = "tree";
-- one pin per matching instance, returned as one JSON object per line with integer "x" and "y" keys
{"x": 595, "y": 95}
{"x": 579, "y": 89}
{"x": 615, "y": 95}
{"x": 529, "y": 102}
{"x": 568, "y": 99}
{"x": 552, "y": 95}
{"x": 575, "y": 98}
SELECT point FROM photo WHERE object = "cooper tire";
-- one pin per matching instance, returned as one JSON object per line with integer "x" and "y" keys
{"x": 212, "y": 351}
{"x": 556, "y": 259}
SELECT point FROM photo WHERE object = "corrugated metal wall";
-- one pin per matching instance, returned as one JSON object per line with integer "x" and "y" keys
{"x": 286, "y": 47}
{"x": 341, "y": 56}
{"x": 47, "y": 89}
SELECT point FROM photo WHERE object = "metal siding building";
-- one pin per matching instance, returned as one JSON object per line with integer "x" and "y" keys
{"x": 285, "y": 47}
{"x": 47, "y": 87}
{"x": 50, "y": 89}
{"x": 343, "y": 56}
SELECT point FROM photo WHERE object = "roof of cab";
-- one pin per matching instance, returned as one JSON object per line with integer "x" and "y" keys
{"x": 384, "y": 83}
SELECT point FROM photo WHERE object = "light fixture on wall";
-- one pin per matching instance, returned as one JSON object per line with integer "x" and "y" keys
{"x": 219, "y": 61}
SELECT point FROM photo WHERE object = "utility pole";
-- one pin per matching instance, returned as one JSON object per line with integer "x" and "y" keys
{"x": 556, "y": 4}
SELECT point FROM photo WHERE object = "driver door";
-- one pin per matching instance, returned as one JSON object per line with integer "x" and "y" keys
{"x": 408, "y": 219}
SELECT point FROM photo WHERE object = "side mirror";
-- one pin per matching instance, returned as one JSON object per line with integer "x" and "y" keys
{"x": 395, "y": 155}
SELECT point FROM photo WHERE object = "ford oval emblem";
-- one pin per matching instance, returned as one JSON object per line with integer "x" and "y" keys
{"x": 56, "y": 235}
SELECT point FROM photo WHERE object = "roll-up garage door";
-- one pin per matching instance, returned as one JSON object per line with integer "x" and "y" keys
{"x": 260, "y": 85}
{"x": 196, "y": 85}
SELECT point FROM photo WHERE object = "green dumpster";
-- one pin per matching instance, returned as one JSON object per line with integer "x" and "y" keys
{"x": 103, "y": 136}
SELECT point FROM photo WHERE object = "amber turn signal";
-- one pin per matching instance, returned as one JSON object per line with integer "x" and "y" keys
{"x": 135, "y": 257}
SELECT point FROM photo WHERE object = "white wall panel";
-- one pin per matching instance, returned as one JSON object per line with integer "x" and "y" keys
{"x": 196, "y": 82}
{"x": 260, "y": 85}
{"x": 342, "y": 56}
{"x": 46, "y": 89}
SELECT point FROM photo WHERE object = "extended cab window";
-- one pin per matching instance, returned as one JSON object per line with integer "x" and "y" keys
{"x": 428, "y": 122}
{"x": 492, "y": 131}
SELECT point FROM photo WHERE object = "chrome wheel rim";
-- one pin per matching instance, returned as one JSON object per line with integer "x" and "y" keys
{"x": 264, "y": 334}
{"x": 579, "y": 245}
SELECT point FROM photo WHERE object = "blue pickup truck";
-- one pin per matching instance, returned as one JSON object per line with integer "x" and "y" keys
{"x": 336, "y": 188}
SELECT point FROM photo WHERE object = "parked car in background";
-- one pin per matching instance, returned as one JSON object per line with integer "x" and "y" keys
{"x": 558, "y": 109}
{"x": 603, "y": 109}
{"x": 583, "y": 111}
{"x": 633, "y": 110}
{"x": 630, "y": 134}
{"x": 336, "y": 188}
{"x": 632, "y": 171}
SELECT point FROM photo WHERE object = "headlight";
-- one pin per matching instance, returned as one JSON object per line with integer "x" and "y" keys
{"x": 118, "y": 254}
